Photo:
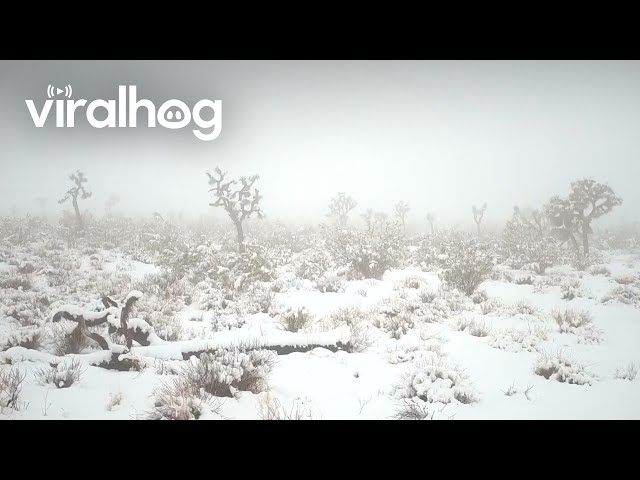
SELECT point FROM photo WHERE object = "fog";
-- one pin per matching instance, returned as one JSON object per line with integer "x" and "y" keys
{"x": 439, "y": 135}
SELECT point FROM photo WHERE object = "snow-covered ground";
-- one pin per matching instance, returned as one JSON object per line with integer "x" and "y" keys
{"x": 455, "y": 358}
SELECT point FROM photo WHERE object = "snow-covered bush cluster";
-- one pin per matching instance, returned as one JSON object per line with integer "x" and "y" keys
{"x": 562, "y": 369}
{"x": 466, "y": 262}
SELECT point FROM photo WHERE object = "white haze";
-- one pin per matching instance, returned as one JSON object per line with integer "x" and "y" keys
{"x": 439, "y": 135}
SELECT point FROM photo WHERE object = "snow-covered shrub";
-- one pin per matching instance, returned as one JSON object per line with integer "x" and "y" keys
{"x": 10, "y": 387}
{"x": 427, "y": 295}
{"x": 466, "y": 263}
{"x": 479, "y": 296}
{"x": 626, "y": 279}
{"x": 62, "y": 375}
{"x": 560, "y": 368}
{"x": 16, "y": 282}
{"x": 524, "y": 244}
{"x": 472, "y": 326}
{"x": 29, "y": 337}
{"x": 367, "y": 254}
{"x": 178, "y": 399}
{"x": 270, "y": 408}
{"x": 225, "y": 371}
{"x": 115, "y": 401}
{"x": 523, "y": 307}
{"x": 524, "y": 280}
{"x": 628, "y": 294}
{"x": 569, "y": 320}
{"x": 414, "y": 409}
{"x": 516, "y": 340}
{"x": 27, "y": 308}
{"x": 312, "y": 263}
{"x": 330, "y": 283}
{"x": 628, "y": 372}
{"x": 489, "y": 306}
{"x": 257, "y": 299}
{"x": 294, "y": 319}
{"x": 222, "y": 323}
{"x": 599, "y": 270}
{"x": 356, "y": 319}
{"x": 433, "y": 380}
{"x": 169, "y": 328}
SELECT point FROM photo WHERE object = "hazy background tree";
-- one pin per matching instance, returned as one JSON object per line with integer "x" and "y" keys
{"x": 340, "y": 207}
{"x": 590, "y": 200}
{"x": 111, "y": 202}
{"x": 431, "y": 218}
{"x": 78, "y": 190}
{"x": 478, "y": 214}
{"x": 402, "y": 208}
{"x": 238, "y": 198}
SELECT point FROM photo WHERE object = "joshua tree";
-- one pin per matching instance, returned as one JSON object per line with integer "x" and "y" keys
{"x": 78, "y": 190}
{"x": 340, "y": 207}
{"x": 431, "y": 218}
{"x": 402, "y": 209}
{"x": 111, "y": 202}
{"x": 239, "y": 199}
{"x": 587, "y": 201}
{"x": 478, "y": 213}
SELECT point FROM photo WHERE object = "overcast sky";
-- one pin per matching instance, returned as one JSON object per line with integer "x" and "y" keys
{"x": 438, "y": 135}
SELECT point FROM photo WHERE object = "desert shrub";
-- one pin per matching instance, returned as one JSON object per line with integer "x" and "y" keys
{"x": 367, "y": 254}
{"x": 433, "y": 380}
{"x": 16, "y": 282}
{"x": 312, "y": 263}
{"x": 524, "y": 280}
{"x": 570, "y": 289}
{"x": 489, "y": 306}
{"x": 414, "y": 409}
{"x": 479, "y": 296}
{"x": 472, "y": 326}
{"x": 427, "y": 295}
{"x": 517, "y": 340}
{"x": 177, "y": 399}
{"x": 569, "y": 320}
{"x": 626, "y": 279}
{"x": 361, "y": 338}
{"x": 30, "y": 338}
{"x": 523, "y": 307}
{"x": 115, "y": 401}
{"x": 27, "y": 308}
{"x": 628, "y": 294}
{"x": 599, "y": 270}
{"x": 330, "y": 283}
{"x": 466, "y": 263}
{"x": 562, "y": 369}
{"x": 524, "y": 244}
{"x": 270, "y": 408}
{"x": 62, "y": 375}
{"x": 628, "y": 372}
{"x": 294, "y": 319}
{"x": 169, "y": 328}
{"x": 10, "y": 387}
{"x": 222, "y": 372}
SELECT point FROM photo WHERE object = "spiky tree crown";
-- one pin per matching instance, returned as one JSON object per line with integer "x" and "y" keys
{"x": 78, "y": 190}
{"x": 237, "y": 197}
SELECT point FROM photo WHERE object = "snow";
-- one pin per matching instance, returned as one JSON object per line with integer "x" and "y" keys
{"x": 439, "y": 362}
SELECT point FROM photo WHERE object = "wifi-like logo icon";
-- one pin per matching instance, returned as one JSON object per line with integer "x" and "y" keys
{"x": 55, "y": 91}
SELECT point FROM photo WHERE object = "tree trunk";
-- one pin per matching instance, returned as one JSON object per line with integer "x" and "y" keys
{"x": 241, "y": 247}
{"x": 478, "y": 225}
{"x": 574, "y": 242}
{"x": 77, "y": 209}
{"x": 585, "y": 238}
{"x": 431, "y": 225}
